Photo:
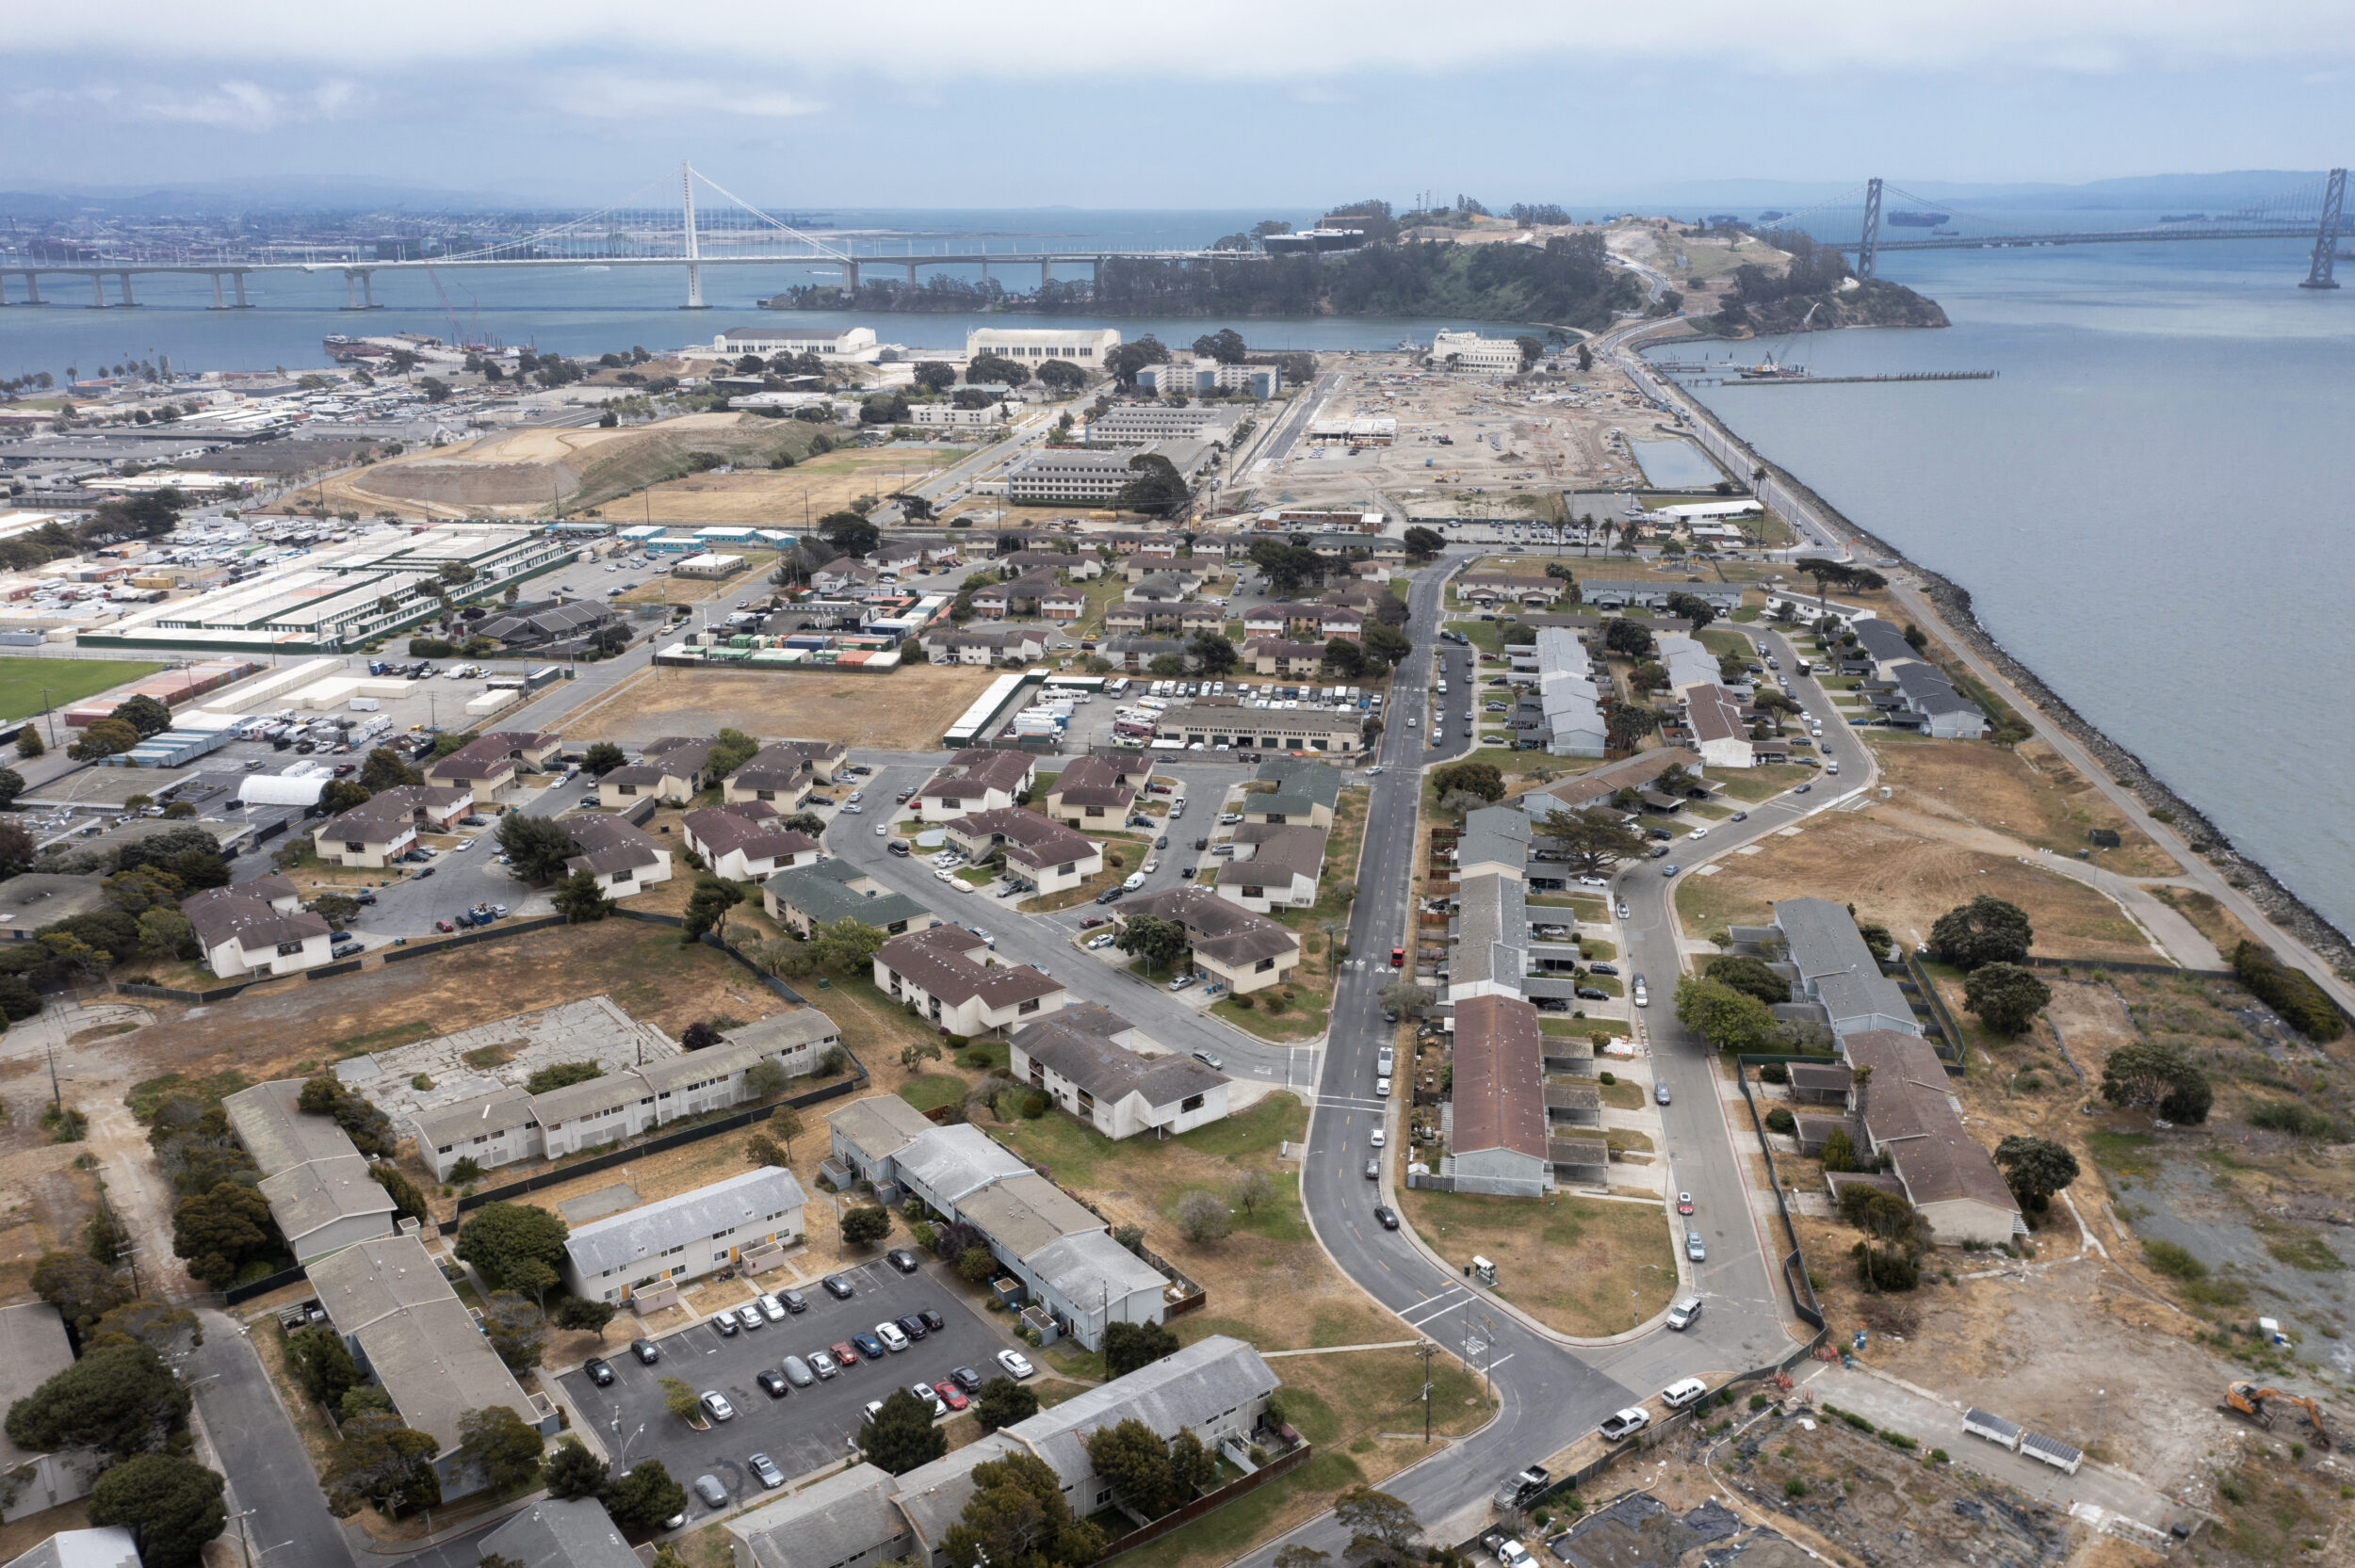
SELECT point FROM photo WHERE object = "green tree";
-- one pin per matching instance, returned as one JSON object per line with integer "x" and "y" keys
{"x": 1253, "y": 1192}
{"x": 383, "y": 1460}
{"x": 384, "y": 769}
{"x": 644, "y": 1497}
{"x": 1192, "y": 1468}
{"x": 902, "y": 1436}
{"x": 580, "y": 901}
{"x": 28, "y": 744}
{"x": 1729, "y": 1020}
{"x": 1225, "y": 345}
{"x": 497, "y": 1444}
{"x": 1130, "y": 1346}
{"x": 764, "y": 1078}
{"x": 145, "y": 715}
{"x": 1749, "y": 976}
{"x": 1382, "y": 1529}
{"x": 81, "y": 1288}
{"x": 342, "y": 794}
{"x": 321, "y": 1364}
{"x": 1157, "y": 940}
{"x": 2149, "y": 1073}
{"x": 1212, "y": 654}
{"x": 1002, "y": 1401}
{"x": 119, "y": 1398}
{"x": 1423, "y": 544}
{"x": 1019, "y": 1517}
{"x": 996, "y": 370}
{"x": 2035, "y": 1168}
{"x": 865, "y": 1225}
{"x": 1158, "y": 490}
{"x": 221, "y": 1231}
{"x": 537, "y": 846}
{"x": 849, "y": 533}
{"x": 171, "y": 1506}
{"x": 1691, "y": 607}
{"x": 2006, "y": 996}
{"x": 601, "y": 759}
{"x": 1344, "y": 658}
{"x": 517, "y": 1330}
{"x": 1133, "y": 1457}
{"x": 935, "y": 375}
{"x": 506, "y": 1240}
{"x": 1630, "y": 639}
{"x": 574, "y": 1472}
{"x": 105, "y": 738}
{"x": 1473, "y": 778}
{"x": 1588, "y": 842}
{"x": 679, "y": 1397}
{"x": 975, "y": 1265}
{"x": 2292, "y": 993}
{"x": 847, "y": 945}
{"x": 578, "y": 1313}
{"x": 1985, "y": 930}
{"x": 1839, "y": 1150}
{"x": 708, "y": 910}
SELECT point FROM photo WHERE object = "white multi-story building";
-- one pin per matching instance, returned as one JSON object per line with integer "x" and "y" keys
{"x": 827, "y": 343}
{"x": 1086, "y": 347}
{"x": 1471, "y": 351}
{"x": 948, "y": 413}
{"x": 649, "y": 1252}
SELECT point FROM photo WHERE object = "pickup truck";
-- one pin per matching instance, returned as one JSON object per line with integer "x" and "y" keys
{"x": 1518, "y": 1490}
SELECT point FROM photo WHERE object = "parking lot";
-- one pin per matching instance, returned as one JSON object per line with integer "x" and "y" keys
{"x": 809, "y": 1428}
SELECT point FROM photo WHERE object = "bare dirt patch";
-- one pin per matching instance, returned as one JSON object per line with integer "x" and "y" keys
{"x": 1905, "y": 881}
{"x": 907, "y": 710}
{"x": 2026, "y": 792}
{"x": 1576, "y": 1265}
{"x": 792, "y": 498}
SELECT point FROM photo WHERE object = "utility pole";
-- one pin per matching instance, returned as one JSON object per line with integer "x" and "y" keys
{"x": 1423, "y": 1352}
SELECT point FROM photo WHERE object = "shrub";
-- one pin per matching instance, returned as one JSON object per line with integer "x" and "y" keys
{"x": 1939, "y": 1456}
{"x": 1899, "y": 1440}
{"x": 1606, "y": 1079}
{"x": 2172, "y": 1260}
{"x": 1884, "y": 1270}
{"x": 1759, "y": 1402}
{"x": 2294, "y": 1117}
{"x": 1774, "y": 1072}
{"x": 1244, "y": 1002}
{"x": 2291, "y": 992}
{"x": 1794, "y": 1487}
{"x": 1781, "y": 1120}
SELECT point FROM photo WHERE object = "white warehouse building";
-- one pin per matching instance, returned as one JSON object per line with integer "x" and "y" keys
{"x": 1086, "y": 347}
{"x": 1471, "y": 351}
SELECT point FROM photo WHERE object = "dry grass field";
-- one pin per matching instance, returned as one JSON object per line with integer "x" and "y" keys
{"x": 906, "y": 710}
{"x": 792, "y": 498}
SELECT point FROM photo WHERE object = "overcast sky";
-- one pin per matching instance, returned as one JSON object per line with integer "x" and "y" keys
{"x": 1208, "y": 103}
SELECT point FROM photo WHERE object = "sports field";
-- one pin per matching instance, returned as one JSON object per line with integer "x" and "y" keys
{"x": 23, "y": 679}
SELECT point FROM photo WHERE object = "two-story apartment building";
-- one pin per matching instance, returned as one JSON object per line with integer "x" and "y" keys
{"x": 1305, "y": 792}
{"x": 945, "y": 971}
{"x": 494, "y": 764}
{"x": 981, "y": 779}
{"x": 1086, "y": 794}
{"x": 386, "y": 825}
{"x": 258, "y": 927}
{"x": 1250, "y": 952}
{"x": 1043, "y": 856}
{"x": 658, "y": 1247}
{"x": 1096, "y": 1065}
{"x": 803, "y": 898}
{"x": 1275, "y": 867}
{"x": 744, "y": 843}
{"x": 317, "y": 1182}
{"x": 623, "y": 857}
{"x": 1273, "y": 655}
{"x": 670, "y": 770}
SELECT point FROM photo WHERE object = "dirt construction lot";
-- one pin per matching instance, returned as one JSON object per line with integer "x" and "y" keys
{"x": 785, "y": 497}
{"x": 906, "y": 710}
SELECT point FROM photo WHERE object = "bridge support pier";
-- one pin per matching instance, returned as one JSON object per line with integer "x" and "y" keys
{"x": 2321, "y": 272}
{"x": 359, "y": 290}
{"x": 98, "y": 291}
{"x": 125, "y": 278}
{"x": 850, "y": 277}
{"x": 241, "y": 301}
{"x": 1096, "y": 275}
{"x": 911, "y": 276}
{"x": 219, "y": 302}
{"x": 1046, "y": 273}
{"x": 32, "y": 289}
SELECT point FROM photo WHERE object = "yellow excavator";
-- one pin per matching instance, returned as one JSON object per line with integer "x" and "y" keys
{"x": 2256, "y": 1403}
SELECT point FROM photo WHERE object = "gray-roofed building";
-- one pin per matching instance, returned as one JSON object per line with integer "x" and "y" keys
{"x": 1944, "y": 713}
{"x": 825, "y": 891}
{"x": 1724, "y": 598}
{"x": 1305, "y": 792}
{"x": 33, "y": 899}
{"x": 1838, "y": 970}
{"x": 33, "y": 1349}
{"x": 931, "y": 1497}
{"x": 1024, "y": 1213}
{"x": 257, "y": 926}
{"x": 110, "y": 1546}
{"x": 1088, "y": 1280}
{"x": 1224, "y": 723}
{"x": 276, "y": 1132}
{"x": 946, "y": 1165}
{"x": 493, "y": 1129}
{"x": 406, "y": 1328}
{"x": 1491, "y": 956}
{"x": 1569, "y": 699}
{"x": 869, "y": 1134}
{"x": 386, "y": 824}
{"x": 621, "y": 856}
{"x": 946, "y": 973}
{"x": 1218, "y": 1386}
{"x": 553, "y": 1534}
{"x": 325, "y": 1206}
{"x": 1274, "y": 867}
{"x": 1495, "y": 839}
{"x": 660, "y": 1246}
{"x": 1249, "y": 951}
{"x": 847, "y": 1520}
{"x": 1907, "y": 1112}
{"x": 1088, "y": 1059}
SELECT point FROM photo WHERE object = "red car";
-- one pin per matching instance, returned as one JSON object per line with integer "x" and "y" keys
{"x": 1684, "y": 1202}
{"x": 951, "y": 1395}
{"x": 1398, "y": 958}
{"x": 845, "y": 1355}
{"x": 444, "y": 926}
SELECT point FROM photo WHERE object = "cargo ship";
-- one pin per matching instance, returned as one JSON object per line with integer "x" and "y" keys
{"x": 1918, "y": 220}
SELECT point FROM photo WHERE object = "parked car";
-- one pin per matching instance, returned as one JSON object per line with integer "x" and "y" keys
{"x": 902, "y": 1259}
{"x": 845, "y": 1353}
{"x": 716, "y": 1405}
{"x": 1684, "y": 1202}
{"x": 1518, "y": 1490}
{"x": 837, "y": 1287}
{"x": 1685, "y": 1314}
{"x": 1625, "y": 1423}
{"x": 890, "y": 1338}
{"x": 600, "y": 1371}
{"x": 1603, "y": 969}
{"x": 934, "y": 1323}
{"x": 869, "y": 1346}
{"x": 1208, "y": 1059}
{"x": 1386, "y": 1217}
{"x": 913, "y": 1326}
{"x": 797, "y": 1372}
{"x": 1660, "y": 1094}
{"x": 646, "y": 1350}
{"x": 1181, "y": 982}
{"x": 711, "y": 1492}
{"x": 966, "y": 1378}
{"x": 1683, "y": 1392}
{"x": 949, "y": 1393}
{"x": 725, "y": 1322}
{"x": 1694, "y": 1249}
{"x": 1017, "y": 1366}
{"x": 795, "y": 1303}
{"x": 766, "y": 1469}
{"x": 821, "y": 1364}
{"x": 771, "y": 1382}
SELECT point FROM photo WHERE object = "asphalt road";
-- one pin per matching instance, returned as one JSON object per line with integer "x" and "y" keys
{"x": 268, "y": 1472}
{"x": 808, "y": 1429}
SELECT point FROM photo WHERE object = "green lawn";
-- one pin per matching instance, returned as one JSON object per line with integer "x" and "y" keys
{"x": 1765, "y": 783}
{"x": 25, "y": 681}
{"x": 932, "y": 1090}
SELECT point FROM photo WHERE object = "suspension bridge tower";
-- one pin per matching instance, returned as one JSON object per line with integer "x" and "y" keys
{"x": 2319, "y": 272}
{"x": 1870, "y": 242}
{"x": 695, "y": 272}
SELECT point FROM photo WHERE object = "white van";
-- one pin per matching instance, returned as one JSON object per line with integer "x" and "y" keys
{"x": 1832, "y": 767}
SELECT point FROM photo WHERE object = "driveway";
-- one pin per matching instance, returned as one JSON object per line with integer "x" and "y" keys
{"x": 808, "y": 1429}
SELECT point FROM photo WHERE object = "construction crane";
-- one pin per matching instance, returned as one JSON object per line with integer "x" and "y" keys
{"x": 2247, "y": 1400}
{"x": 1773, "y": 367}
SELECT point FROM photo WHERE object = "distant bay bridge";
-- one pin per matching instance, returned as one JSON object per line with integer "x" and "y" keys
{"x": 663, "y": 225}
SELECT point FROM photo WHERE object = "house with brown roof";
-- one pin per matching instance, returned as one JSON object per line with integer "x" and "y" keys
{"x": 1154, "y": 615}
{"x": 945, "y": 642}
{"x": 621, "y": 856}
{"x": 1248, "y": 951}
{"x": 946, "y": 973}
{"x": 258, "y": 927}
{"x": 1103, "y": 1070}
{"x": 493, "y": 764}
{"x": 1304, "y": 622}
{"x": 1019, "y": 596}
{"x": 1276, "y": 865}
{"x": 670, "y": 770}
{"x": 842, "y": 575}
{"x": 1714, "y": 720}
{"x": 984, "y": 778}
{"x": 1086, "y": 794}
{"x": 1080, "y": 567}
{"x": 387, "y": 823}
{"x": 1899, "y": 1094}
{"x": 1063, "y": 603}
{"x": 744, "y": 842}
{"x": 1041, "y": 855}
{"x": 1273, "y": 655}
{"x": 782, "y": 773}
{"x": 1499, "y": 1104}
